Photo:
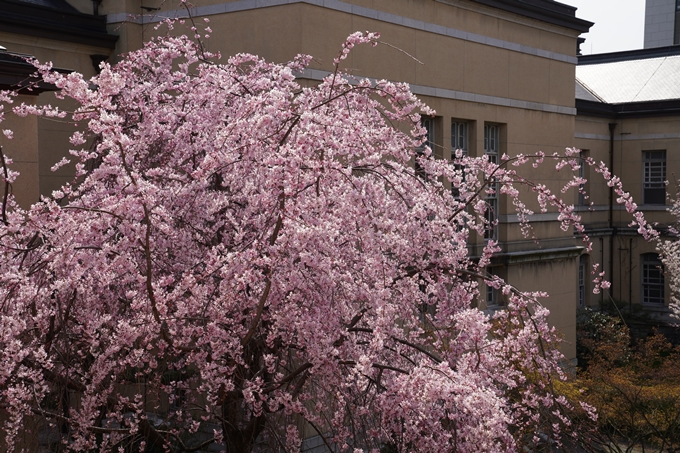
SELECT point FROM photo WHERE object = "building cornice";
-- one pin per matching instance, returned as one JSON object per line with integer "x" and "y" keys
{"x": 537, "y": 255}
{"x": 544, "y": 10}
{"x": 628, "y": 55}
{"x": 628, "y": 109}
{"x": 41, "y": 22}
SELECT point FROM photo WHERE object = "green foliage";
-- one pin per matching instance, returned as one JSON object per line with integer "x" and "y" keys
{"x": 635, "y": 386}
{"x": 600, "y": 334}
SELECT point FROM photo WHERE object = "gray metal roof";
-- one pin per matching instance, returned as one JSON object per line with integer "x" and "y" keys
{"x": 649, "y": 79}
{"x": 582, "y": 92}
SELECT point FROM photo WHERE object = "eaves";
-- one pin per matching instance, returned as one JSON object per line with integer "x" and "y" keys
{"x": 41, "y": 22}
{"x": 537, "y": 255}
{"x": 18, "y": 74}
{"x": 628, "y": 109}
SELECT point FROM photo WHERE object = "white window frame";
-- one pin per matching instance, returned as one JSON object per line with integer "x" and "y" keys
{"x": 459, "y": 136}
{"x": 492, "y": 151}
{"x": 459, "y": 141}
{"x": 653, "y": 283}
{"x": 492, "y": 296}
{"x": 654, "y": 177}
{"x": 582, "y": 197}
{"x": 582, "y": 270}
{"x": 428, "y": 123}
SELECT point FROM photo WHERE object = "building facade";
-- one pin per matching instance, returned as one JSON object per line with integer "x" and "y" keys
{"x": 500, "y": 75}
{"x": 49, "y": 30}
{"x": 628, "y": 117}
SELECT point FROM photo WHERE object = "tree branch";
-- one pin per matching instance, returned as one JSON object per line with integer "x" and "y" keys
{"x": 7, "y": 187}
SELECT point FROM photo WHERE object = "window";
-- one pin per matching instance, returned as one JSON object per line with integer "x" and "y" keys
{"x": 491, "y": 150}
{"x": 429, "y": 124}
{"x": 459, "y": 137}
{"x": 676, "y": 28}
{"x": 582, "y": 189}
{"x": 491, "y": 140}
{"x": 493, "y": 297}
{"x": 426, "y": 310}
{"x": 582, "y": 266}
{"x": 652, "y": 280}
{"x": 459, "y": 141}
{"x": 178, "y": 398}
{"x": 654, "y": 177}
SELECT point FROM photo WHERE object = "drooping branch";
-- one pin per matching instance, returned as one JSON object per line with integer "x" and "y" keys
{"x": 378, "y": 366}
{"x": 418, "y": 348}
{"x": 288, "y": 378}
{"x": 8, "y": 186}
{"x": 258, "y": 313}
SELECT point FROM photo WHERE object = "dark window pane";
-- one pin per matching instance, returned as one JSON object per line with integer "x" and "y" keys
{"x": 655, "y": 196}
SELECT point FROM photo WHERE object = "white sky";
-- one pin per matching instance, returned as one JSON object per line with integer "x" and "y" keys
{"x": 619, "y": 24}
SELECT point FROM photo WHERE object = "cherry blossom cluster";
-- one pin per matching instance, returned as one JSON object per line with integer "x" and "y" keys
{"x": 670, "y": 256}
{"x": 243, "y": 252}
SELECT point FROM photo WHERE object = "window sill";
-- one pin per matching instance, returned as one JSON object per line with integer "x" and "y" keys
{"x": 653, "y": 207}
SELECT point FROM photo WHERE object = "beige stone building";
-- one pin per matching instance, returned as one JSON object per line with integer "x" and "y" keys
{"x": 629, "y": 117}
{"x": 499, "y": 73}
{"x": 49, "y": 30}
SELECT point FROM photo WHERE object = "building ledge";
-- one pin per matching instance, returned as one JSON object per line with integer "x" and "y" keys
{"x": 538, "y": 255}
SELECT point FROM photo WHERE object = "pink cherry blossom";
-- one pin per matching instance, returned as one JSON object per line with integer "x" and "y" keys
{"x": 246, "y": 254}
